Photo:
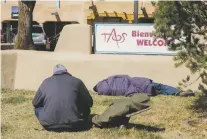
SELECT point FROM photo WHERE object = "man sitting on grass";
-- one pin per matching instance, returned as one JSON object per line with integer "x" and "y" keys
{"x": 62, "y": 102}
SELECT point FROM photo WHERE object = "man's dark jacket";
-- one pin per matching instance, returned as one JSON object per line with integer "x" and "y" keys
{"x": 64, "y": 99}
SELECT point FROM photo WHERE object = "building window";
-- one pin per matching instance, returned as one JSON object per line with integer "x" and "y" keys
{"x": 3, "y": 1}
{"x": 58, "y": 4}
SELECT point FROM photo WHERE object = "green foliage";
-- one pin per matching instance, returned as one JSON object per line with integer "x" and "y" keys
{"x": 183, "y": 24}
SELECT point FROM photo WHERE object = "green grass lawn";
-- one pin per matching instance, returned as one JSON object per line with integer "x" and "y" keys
{"x": 169, "y": 113}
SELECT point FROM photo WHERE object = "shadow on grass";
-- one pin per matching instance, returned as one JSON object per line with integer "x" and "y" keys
{"x": 145, "y": 127}
{"x": 80, "y": 128}
{"x": 87, "y": 126}
{"x": 141, "y": 134}
{"x": 139, "y": 127}
{"x": 200, "y": 105}
{"x": 130, "y": 126}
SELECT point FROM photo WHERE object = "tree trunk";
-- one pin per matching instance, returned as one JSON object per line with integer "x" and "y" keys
{"x": 24, "y": 36}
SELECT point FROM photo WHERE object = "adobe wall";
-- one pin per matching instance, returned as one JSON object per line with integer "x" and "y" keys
{"x": 75, "y": 38}
{"x": 33, "y": 67}
{"x": 8, "y": 68}
{"x": 73, "y": 10}
{"x": 68, "y": 11}
{"x": 24, "y": 69}
{"x": 121, "y": 6}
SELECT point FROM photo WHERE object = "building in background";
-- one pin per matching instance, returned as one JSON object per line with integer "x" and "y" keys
{"x": 53, "y": 15}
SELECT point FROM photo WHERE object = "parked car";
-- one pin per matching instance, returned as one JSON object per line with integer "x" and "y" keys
{"x": 3, "y": 37}
{"x": 38, "y": 35}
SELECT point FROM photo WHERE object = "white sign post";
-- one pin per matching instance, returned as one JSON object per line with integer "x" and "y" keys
{"x": 129, "y": 39}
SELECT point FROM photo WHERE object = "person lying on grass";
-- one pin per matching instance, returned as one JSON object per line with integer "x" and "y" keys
{"x": 124, "y": 85}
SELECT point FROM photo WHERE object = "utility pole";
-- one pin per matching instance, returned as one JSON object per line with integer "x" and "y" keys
{"x": 136, "y": 4}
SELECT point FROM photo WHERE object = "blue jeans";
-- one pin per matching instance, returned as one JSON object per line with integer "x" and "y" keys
{"x": 37, "y": 111}
{"x": 165, "y": 89}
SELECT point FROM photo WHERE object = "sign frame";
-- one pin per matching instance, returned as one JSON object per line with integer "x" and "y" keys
{"x": 173, "y": 53}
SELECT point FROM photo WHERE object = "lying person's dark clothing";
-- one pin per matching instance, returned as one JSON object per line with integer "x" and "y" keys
{"x": 62, "y": 101}
{"x": 124, "y": 85}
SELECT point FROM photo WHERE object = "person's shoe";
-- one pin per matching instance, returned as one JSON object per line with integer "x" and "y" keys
{"x": 188, "y": 93}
